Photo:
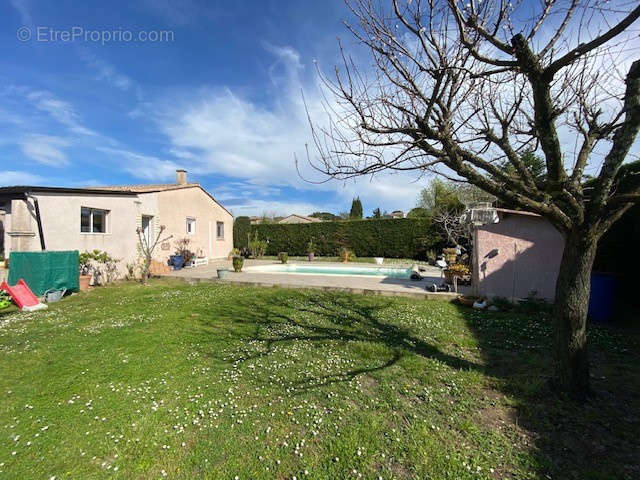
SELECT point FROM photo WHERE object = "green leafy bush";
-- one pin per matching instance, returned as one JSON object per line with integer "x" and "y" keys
{"x": 241, "y": 232}
{"x": 390, "y": 238}
{"x": 238, "y": 262}
{"x": 257, "y": 247}
{"x": 283, "y": 257}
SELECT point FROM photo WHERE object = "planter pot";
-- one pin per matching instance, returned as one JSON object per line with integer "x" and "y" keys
{"x": 222, "y": 273}
{"x": 177, "y": 261}
{"x": 311, "y": 257}
{"x": 84, "y": 281}
{"x": 379, "y": 260}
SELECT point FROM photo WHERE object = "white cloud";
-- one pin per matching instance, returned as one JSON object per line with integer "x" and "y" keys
{"x": 106, "y": 71}
{"x": 22, "y": 7}
{"x": 60, "y": 110}
{"x": 271, "y": 207}
{"x": 15, "y": 177}
{"x": 217, "y": 131}
{"x": 45, "y": 149}
{"x": 147, "y": 167}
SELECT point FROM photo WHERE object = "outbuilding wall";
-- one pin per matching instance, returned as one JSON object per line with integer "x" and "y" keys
{"x": 517, "y": 257}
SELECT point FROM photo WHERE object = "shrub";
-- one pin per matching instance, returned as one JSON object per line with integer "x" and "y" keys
{"x": 241, "y": 232}
{"x": 283, "y": 257}
{"x": 257, "y": 247}
{"x": 238, "y": 262}
{"x": 459, "y": 270}
{"x": 390, "y": 238}
{"x": 102, "y": 266}
{"x": 346, "y": 255}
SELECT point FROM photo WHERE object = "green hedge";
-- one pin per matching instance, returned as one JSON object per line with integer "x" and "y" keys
{"x": 240, "y": 230}
{"x": 391, "y": 238}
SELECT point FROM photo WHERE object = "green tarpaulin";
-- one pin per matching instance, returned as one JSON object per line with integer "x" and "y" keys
{"x": 45, "y": 270}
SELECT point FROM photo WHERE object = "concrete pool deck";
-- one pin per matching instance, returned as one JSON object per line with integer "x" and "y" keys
{"x": 353, "y": 284}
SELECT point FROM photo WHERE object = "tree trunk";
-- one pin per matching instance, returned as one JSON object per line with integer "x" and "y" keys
{"x": 570, "y": 312}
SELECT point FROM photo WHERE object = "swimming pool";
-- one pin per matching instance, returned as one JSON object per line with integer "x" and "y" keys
{"x": 332, "y": 270}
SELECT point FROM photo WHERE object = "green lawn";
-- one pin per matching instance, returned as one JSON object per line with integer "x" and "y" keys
{"x": 218, "y": 381}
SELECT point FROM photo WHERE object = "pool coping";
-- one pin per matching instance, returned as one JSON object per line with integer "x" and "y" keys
{"x": 424, "y": 295}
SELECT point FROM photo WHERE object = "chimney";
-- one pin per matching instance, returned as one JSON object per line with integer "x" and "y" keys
{"x": 181, "y": 177}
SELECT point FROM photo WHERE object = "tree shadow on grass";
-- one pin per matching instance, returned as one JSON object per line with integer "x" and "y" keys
{"x": 324, "y": 319}
{"x": 596, "y": 439}
{"x": 593, "y": 440}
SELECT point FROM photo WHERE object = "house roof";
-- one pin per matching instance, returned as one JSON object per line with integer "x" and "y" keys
{"x": 147, "y": 188}
{"x": 308, "y": 219}
{"x": 515, "y": 212}
{"x": 22, "y": 189}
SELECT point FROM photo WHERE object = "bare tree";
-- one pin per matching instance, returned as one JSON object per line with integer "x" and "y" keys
{"x": 147, "y": 245}
{"x": 464, "y": 88}
{"x": 454, "y": 226}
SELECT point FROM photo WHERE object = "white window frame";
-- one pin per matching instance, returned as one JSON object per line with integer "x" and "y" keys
{"x": 220, "y": 237}
{"x": 91, "y": 212}
{"x": 191, "y": 221}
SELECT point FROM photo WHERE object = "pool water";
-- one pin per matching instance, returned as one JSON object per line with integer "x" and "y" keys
{"x": 332, "y": 270}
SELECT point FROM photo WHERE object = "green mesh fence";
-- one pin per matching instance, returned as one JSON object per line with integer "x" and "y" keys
{"x": 45, "y": 270}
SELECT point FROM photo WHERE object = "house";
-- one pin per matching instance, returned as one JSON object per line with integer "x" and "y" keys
{"x": 294, "y": 218}
{"x": 263, "y": 219}
{"x": 516, "y": 255}
{"x": 106, "y": 218}
{"x": 397, "y": 214}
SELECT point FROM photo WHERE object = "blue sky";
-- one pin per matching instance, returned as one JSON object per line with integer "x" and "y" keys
{"x": 220, "y": 95}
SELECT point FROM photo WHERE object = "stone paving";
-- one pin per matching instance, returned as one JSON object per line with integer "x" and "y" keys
{"x": 354, "y": 284}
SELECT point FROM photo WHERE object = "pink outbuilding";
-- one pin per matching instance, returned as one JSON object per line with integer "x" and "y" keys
{"x": 517, "y": 255}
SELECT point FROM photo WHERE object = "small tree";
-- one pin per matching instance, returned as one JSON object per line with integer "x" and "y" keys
{"x": 377, "y": 213}
{"x": 453, "y": 224}
{"x": 356, "y": 209}
{"x": 147, "y": 246}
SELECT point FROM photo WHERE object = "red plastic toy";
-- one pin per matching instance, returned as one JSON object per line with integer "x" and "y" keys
{"x": 21, "y": 294}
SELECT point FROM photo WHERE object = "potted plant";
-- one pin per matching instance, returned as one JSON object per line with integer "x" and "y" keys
{"x": 238, "y": 262}
{"x": 346, "y": 255}
{"x": 84, "y": 270}
{"x": 462, "y": 272}
{"x": 450, "y": 255}
{"x": 283, "y": 257}
{"x": 183, "y": 256}
{"x": 311, "y": 250}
